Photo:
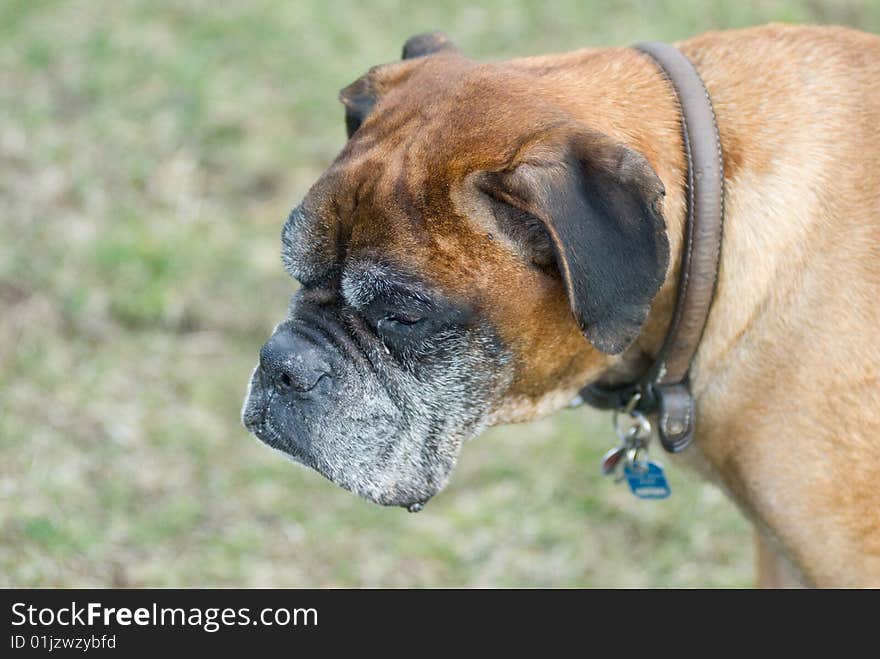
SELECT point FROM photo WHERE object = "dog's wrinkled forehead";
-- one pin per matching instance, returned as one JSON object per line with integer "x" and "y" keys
{"x": 400, "y": 190}
{"x": 327, "y": 242}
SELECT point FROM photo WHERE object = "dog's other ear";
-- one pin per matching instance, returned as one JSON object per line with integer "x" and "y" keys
{"x": 428, "y": 43}
{"x": 358, "y": 98}
{"x": 600, "y": 203}
{"x": 361, "y": 96}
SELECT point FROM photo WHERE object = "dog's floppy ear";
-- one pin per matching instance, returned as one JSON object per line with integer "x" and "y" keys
{"x": 600, "y": 203}
{"x": 428, "y": 43}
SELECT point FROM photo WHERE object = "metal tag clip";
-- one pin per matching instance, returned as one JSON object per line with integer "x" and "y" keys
{"x": 629, "y": 459}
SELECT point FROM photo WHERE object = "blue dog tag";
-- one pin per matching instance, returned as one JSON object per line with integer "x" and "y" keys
{"x": 647, "y": 480}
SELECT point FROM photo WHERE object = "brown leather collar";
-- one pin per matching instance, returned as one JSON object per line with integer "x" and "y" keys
{"x": 665, "y": 387}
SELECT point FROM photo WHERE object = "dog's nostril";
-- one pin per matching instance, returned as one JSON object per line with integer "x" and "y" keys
{"x": 291, "y": 363}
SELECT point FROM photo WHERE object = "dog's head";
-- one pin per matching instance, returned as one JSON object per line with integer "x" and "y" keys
{"x": 473, "y": 256}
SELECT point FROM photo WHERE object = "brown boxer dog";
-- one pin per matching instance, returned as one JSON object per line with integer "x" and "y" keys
{"x": 494, "y": 236}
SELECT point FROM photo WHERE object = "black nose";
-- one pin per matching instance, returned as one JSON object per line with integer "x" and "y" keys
{"x": 292, "y": 363}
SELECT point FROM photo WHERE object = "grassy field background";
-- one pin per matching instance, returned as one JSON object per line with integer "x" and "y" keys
{"x": 149, "y": 152}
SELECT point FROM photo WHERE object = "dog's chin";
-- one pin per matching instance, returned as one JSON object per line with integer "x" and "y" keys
{"x": 409, "y": 499}
{"x": 406, "y": 497}
{"x": 258, "y": 422}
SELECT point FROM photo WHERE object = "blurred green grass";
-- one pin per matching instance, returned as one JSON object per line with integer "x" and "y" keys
{"x": 148, "y": 154}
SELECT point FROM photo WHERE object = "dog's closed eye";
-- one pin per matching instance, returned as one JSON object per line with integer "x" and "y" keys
{"x": 401, "y": 319}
